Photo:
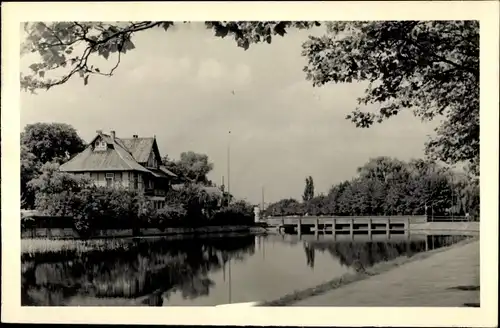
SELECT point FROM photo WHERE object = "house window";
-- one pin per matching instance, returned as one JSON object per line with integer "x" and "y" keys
{"x": 110, "y": 177}
{"x": 136, "y": 181}
{"x": 100, "y": 145}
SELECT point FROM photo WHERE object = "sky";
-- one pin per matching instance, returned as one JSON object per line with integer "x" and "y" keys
{"x": 189, "y": 89}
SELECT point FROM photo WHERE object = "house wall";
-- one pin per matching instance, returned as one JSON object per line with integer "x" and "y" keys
{"x": 121, "y": 179}
{"x": 126, "y": 180}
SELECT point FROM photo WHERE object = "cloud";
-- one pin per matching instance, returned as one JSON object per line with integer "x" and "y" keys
{"x": 242, "y": 74}
{"x": 210, "y": 70}
{"x": 161, "y": 70}
{"x": 214, "y": 75}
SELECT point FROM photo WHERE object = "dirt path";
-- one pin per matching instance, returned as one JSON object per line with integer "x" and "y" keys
{"x": 449, "y": 278}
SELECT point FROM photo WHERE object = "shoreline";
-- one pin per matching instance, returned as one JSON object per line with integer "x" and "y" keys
{"x": 71, "y": 234}
{"x": 44, "y": 244}
{"x": 347, "y": 279}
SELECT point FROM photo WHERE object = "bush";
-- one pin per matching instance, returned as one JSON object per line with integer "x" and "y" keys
{"x": 198, "y": 204}
{"x": 63, "y": 194}
{"x": 169, "y": 216}
{"x": 93, "y": 208}
{"x": 237, "y": 213}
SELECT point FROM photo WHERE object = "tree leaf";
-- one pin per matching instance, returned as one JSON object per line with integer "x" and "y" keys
{"x": 221, "y": 31}
{"x": 86, "y": 80}
{"x": 128, "y": 45}
{"x": 105, "y": 53}
{"x": 166, "y": 25}
{"x": 245, "y": 44}
{"x": 280, "y": 29}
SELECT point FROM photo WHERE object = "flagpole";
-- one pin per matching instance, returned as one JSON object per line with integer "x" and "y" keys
{"x": 229, "y": 166}
{"x": 262, "y": 199}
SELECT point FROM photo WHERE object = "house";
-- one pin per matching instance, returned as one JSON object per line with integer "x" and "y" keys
{"x": 133, "y": 163}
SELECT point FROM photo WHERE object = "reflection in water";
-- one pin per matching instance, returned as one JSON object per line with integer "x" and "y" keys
{"x": 159, "y": 271}
{"x": 310, "y": 252}
{"x": 151, "y": 268}
{"x": 362, "y": 255}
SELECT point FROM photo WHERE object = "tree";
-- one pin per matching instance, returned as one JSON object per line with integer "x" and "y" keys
{"x": 29, "y": 170}
{"x": 334, "y": 195}
{"x": 55, "y": 190}
{"x": 283, "y": 207}
{"x": 308, "y": 190}
{"x": 42, "y": 143}
{"x": 238, "y": 212}
{"x": 191, "y": 166}
{"x": 386, "y": 186}
{"x": 71, "y": 46}
{"x": 429, "y": 67}
{"x": 196, "y": 201}
{"x": 51, "y": 141}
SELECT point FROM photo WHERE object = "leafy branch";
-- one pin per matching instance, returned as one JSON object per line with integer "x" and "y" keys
{"x": 54, "y": 42}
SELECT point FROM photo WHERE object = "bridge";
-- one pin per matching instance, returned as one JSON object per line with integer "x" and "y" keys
{"x": 366, "y": 225}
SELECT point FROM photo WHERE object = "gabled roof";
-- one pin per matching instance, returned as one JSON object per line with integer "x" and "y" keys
{"x": 116, "y": 158}
{"x": 167, "y": 171}
{"x": 140, "y": 148}
{"x": 159, "y": 173}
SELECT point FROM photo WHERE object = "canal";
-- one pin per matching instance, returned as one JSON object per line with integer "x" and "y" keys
{"x": 204, "y": 271}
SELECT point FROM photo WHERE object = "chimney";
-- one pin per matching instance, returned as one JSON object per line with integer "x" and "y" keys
{"x": 135, "y": 136}
{"x": 99, "y": 132}
{"x": 113, "y": 134}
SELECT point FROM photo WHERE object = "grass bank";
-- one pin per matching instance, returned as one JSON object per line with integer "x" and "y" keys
{"x": 350, "y": 278}
{"x": 68, "y": 233}
{"x": 33, "y": 246}
{"x": 37, "y": 246}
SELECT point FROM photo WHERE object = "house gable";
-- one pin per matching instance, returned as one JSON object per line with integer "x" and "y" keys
{"x": 154, "y": 159}
{"x": 104, "y": 153}
{"x": 99, "y": 144}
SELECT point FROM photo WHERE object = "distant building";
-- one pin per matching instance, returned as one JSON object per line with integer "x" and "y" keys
{"x": 256, "y": 212}
{"x": 133, "y": 163}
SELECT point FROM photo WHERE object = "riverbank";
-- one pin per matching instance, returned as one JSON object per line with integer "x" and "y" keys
{"x": 385, "y": 279}
{"x": 71, "y": 234}
{"x": 46, "y": 245}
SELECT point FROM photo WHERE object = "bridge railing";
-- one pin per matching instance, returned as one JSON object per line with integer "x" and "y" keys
{"x": 449, "y": 218}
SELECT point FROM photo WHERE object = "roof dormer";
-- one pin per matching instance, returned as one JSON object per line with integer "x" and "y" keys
{"x": 100, "y": 145}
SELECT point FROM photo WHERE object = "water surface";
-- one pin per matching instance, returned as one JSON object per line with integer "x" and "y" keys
{"x": 206, "y": 271}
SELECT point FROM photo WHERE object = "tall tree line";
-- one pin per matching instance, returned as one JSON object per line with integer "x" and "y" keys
{"x": 388, "y": 186}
